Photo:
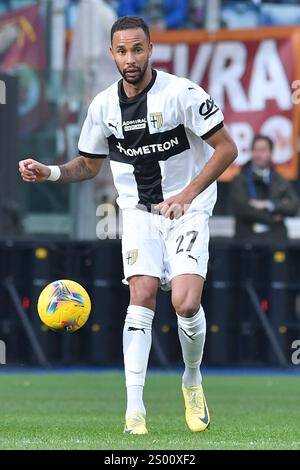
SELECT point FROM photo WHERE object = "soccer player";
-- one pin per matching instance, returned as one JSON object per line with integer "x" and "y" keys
{"x": 167, "y": 146}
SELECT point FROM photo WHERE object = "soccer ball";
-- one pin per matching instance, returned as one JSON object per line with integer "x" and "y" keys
{"x": 64, "y": 305}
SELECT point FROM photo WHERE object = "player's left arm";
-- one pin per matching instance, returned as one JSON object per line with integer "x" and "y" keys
{"x": 225, "y": 152}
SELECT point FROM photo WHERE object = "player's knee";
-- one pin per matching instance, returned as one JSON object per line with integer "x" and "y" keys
{"x": 185, "y": 306}
{"x": 143, "y": 298}
{"x": 187, "y": 311}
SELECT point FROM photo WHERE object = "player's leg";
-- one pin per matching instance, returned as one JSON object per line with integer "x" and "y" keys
{"x": 186, "y": 299}
{"x": 187, "y": 248}
{"x": 142, "y": 249}
{"x": 137, "y": 340}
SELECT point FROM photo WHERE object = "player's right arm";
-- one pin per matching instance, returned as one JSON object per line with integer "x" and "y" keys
{"x": 79, "y": 169}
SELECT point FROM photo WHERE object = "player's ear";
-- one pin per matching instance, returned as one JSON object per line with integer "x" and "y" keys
{"x": 111, "y": 53}
{"x": 150, "y": 48}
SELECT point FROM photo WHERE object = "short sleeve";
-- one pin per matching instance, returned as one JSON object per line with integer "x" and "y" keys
{"x": 200, "y": 113}
{"x": 92, "y": 141}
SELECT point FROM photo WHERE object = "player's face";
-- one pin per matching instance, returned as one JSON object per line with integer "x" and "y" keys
{"x": 131, "y": 51}
{"x": 261, "y": 154}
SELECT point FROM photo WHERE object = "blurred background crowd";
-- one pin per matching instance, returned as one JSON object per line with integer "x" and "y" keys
{"x": 170, "y": 14}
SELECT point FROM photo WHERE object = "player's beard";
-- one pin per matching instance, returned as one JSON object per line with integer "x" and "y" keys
{"x": 139, "y": 76}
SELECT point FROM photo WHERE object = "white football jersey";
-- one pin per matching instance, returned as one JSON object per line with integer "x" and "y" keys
{"x": 155, "y": 140}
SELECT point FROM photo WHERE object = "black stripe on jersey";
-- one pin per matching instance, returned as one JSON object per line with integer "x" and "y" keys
{"x": 145, "y": 153}
{"x": 148, "y": 180}
{"x": 91, "y": 155}
{"x": 212, "y": 131}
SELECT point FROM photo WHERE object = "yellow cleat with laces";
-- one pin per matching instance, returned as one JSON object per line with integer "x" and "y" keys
{"x": 196, "y": 411}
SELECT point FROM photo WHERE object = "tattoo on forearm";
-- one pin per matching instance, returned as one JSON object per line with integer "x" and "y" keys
{"x": 75, "y": 170}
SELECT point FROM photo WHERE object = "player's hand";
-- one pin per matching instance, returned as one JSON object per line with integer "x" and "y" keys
{"x": 33, "y": 171}
{"x": 174, "y": 207}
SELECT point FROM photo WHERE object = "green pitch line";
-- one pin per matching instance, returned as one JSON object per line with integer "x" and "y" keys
{"x": 85, "y": 411}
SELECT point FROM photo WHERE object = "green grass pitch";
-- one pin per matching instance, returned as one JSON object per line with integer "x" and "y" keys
{"x": 85, "y": 411}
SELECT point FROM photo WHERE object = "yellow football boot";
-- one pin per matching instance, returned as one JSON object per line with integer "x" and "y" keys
{"x": 196, "y": 411}
{"x": 136, "y": 424}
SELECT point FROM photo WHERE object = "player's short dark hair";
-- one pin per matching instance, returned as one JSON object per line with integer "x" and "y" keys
{"x": 263, "y": 137}
{"x": 129, "y": 22}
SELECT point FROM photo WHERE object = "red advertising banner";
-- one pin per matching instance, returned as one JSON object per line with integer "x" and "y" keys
{"x": 22, "y": 52}
{"x": 252, "y": 75}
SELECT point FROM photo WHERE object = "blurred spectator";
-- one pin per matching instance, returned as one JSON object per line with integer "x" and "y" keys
{"x": 261, "y": 198}
{"x": 159, "y": 14}
{"x": 87, "y": 60}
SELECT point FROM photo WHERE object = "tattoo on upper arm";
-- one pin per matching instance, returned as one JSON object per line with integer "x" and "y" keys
{"x": 75, "y": 170}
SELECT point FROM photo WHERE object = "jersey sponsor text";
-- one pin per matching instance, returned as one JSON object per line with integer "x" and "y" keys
{"x": 148, "y": 149}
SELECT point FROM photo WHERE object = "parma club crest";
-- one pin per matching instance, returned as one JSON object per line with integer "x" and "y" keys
{"x": 156, "y": 120}
{"x": 131, "y": 257}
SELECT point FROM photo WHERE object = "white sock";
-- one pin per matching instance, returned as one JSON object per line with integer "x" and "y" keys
{"x": 136, "y": 348}
{"x": 191, "y": 332}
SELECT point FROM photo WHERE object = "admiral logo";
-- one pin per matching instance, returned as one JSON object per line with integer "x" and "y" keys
{"x": 148, "y": 149}
{"x": 208, "y": 108}
{"x": 134, "y": 125}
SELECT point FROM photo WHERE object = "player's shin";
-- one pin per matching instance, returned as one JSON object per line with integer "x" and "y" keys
{"x": 192, "y": 333}
{"x": 136, "y": 348}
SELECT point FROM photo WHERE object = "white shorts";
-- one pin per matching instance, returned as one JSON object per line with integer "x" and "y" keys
{"x": 155, "y": 246}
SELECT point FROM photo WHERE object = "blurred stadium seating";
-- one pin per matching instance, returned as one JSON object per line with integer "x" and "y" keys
{"x": 236, "y": 335}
